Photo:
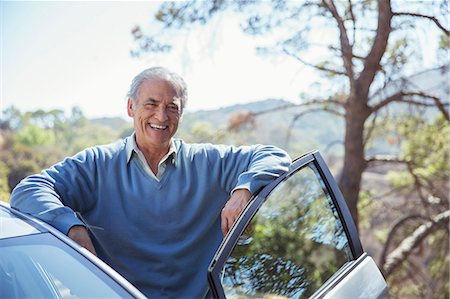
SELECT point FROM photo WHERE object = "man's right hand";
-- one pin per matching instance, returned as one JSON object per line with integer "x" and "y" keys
{"x": 79, "y": 234}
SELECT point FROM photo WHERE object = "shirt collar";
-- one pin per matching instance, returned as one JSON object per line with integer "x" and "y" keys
{"x": 131, "y": 146}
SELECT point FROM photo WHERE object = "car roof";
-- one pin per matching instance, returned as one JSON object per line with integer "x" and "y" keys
{"x": 13, "y": 225}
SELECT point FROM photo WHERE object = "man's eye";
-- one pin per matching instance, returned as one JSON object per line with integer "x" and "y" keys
{"x": 173, "y": 108}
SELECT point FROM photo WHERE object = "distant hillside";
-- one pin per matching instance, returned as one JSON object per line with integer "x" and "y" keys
{"x": 312, "y": 131}
{"x": 115, "y": 123}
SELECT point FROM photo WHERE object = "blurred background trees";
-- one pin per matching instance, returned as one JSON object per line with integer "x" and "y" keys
{"x": 35, "y": 140}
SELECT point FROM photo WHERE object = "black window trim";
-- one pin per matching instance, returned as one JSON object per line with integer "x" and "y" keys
{"x": 232, "y": 238}
{"x": 341, "y": 204}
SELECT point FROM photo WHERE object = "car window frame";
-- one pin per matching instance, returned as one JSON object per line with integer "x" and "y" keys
{"x": 258, "y": 200}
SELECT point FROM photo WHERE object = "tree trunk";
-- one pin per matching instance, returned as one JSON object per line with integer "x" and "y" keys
{"x": 354, "y": 159}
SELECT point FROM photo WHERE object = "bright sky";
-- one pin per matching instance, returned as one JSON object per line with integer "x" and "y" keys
{"x": 55, "y": 55}
{"x": 60, "y": 54}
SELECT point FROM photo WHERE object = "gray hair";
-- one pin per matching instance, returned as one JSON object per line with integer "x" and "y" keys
{"x": 159, "y": 73}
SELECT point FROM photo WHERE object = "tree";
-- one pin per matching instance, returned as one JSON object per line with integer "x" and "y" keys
{"x": 35, "y": 140}
{"x": 425, "y": 155}
{"x": 368, "y": 48}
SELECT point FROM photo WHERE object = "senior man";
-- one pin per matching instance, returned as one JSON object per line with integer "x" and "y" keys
{"x": 156, "y": 207}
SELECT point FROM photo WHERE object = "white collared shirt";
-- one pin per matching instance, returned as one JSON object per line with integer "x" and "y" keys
{"x": 134, "y": 152}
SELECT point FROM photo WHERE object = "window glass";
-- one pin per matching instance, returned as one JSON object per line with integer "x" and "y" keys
{"x": 293, "y": 244}
{"x": 40, "y": 266}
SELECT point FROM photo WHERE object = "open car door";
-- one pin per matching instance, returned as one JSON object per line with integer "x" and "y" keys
{"x": 296, "y": 239}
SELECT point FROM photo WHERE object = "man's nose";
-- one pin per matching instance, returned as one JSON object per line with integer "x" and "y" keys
{"x": 161, "y": 114}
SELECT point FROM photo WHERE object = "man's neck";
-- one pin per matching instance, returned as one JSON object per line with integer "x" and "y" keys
{"x": 154, "y": 155}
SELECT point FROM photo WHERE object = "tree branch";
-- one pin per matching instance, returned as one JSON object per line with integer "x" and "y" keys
{"x": 417, "y": 185}
{"x": 352, "y": 17}
{"x": 384, "y": 159}
{"x": 417, "y": 15}
{"x": 371, "y": 129}
{"x": 372, "y": 61}
{"x": 318, "y": 67}
{"x": 392, "y": 232}
{"x": 346, "y": 48}
{"x": 401, "y": 253}
{"x": 307, "y": 103}
{"x": 401, "y": 97}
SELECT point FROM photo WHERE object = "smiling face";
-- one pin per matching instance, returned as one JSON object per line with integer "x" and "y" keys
{"x": 156, "y": 113}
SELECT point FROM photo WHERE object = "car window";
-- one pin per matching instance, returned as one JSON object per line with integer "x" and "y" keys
{"x": 293, "y": 244}
{"x": 40, "y": 266}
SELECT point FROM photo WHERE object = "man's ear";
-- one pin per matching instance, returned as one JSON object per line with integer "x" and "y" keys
{"x": 130, "y": 108}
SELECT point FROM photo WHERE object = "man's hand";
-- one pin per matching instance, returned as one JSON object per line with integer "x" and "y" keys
{"x": 79, "y": 234}
{"x": 233, "y": 208}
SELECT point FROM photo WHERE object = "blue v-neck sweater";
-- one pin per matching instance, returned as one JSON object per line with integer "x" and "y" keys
{"x": 160, "y": 235}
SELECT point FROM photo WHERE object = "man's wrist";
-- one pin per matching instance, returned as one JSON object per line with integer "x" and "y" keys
{"x": 242, "y": 193}
{"x": 240, "y": 189}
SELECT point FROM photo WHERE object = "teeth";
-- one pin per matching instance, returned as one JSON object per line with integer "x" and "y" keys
{"x": 158, "y": 127}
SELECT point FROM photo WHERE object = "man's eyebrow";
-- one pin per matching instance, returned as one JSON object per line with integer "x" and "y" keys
{"x": 151, "y": 100}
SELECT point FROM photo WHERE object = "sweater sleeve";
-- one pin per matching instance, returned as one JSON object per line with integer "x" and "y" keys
{"x": 56, "y": 193}
{"x": 250, "y": 167}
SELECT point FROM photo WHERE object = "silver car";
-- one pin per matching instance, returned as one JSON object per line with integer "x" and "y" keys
{"x": 37, "y": 261}
{"x": 296, "y": 239}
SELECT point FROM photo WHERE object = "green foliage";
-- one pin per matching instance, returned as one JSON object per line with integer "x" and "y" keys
{"x": 88, "y": 135}
{"x": 444, "y": 42}
{"x": 4, "y": 189}
{"x": 438, "y": 266}
{"x": 399, "y": 53}
{"x": 32, "y": 135}
{"x": 200, "y": 131}
{"x": 426, "y": 148}
{"x": 365, "y": 208}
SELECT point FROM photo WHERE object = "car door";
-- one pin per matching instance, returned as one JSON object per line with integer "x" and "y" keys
{"x": 296, "y": 239}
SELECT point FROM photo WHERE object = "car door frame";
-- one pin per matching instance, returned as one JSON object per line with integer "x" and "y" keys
{"x": 232, "y": 238}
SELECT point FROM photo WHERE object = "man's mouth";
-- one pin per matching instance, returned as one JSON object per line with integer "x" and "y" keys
{"x": 158, "y": 127}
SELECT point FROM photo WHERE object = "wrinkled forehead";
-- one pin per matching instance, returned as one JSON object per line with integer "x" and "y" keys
{"x": 159, "y": 88}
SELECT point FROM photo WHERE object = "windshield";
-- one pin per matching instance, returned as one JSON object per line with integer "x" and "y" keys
{"x": 41, "y": 266}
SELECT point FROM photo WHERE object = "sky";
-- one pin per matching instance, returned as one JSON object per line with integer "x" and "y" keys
{"x": 57, "y": 55}
{"x": 61, "y": 54}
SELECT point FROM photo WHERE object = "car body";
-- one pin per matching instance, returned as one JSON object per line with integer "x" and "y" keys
{"x": 37, "y": 261}
{"x": 295, "y": 239}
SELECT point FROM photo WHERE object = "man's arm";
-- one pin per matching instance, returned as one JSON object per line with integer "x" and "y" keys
{"x": 53, "y": 195}
{"x": 248, "y": 169}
